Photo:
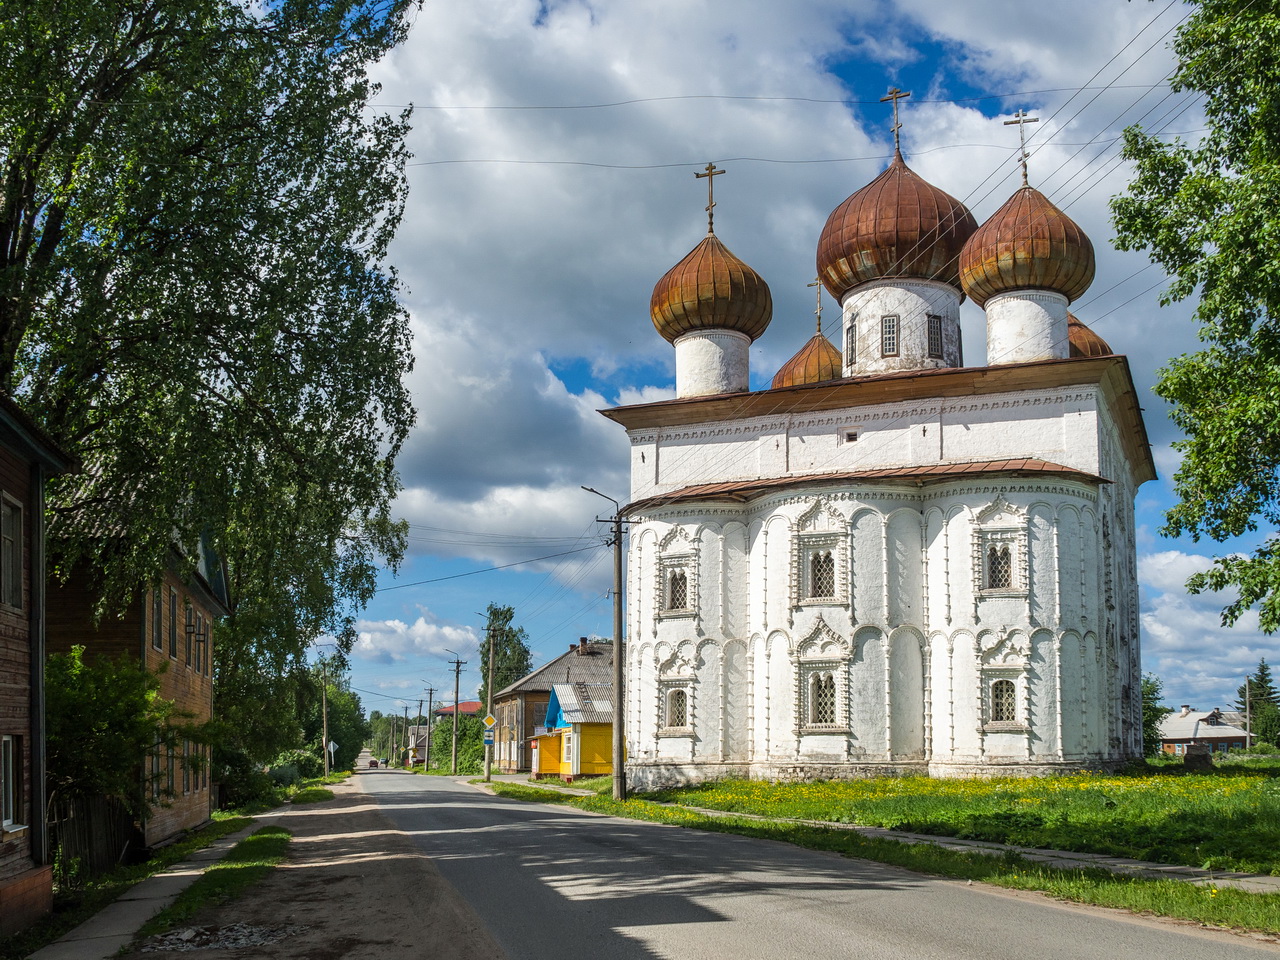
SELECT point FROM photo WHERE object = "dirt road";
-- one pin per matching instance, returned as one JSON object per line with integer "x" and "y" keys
{"x": 352, "y": 887}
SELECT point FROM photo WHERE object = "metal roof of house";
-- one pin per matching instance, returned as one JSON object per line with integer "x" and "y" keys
{"x": 585, "y": 662}
{"x": 584, "y": 702}
{"x": 1197, "y": 725}
{"x": 741, "y": 491}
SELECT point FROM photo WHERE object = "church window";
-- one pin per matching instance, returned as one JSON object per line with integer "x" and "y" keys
{"x": 677, "y": 590}
{"x": 822, "y": 699}
{"x": 889, "y": 336}
{"x": 851, "y": 345}
{"x": 1004, "y": 702}
{"x": 999, "y": 572}
{"x": 935, "y": 337}
{"x": 677, "y": 708}
{"x": 822, "y": 575}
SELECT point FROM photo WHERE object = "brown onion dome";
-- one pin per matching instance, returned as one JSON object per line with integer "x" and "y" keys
{"x": 1084, "y": 342}
{"x": 898, "y": 225}
{"x": 816, "y": 361}
{"x": 711, "y": 289}
{"x": 1028, "y": 244}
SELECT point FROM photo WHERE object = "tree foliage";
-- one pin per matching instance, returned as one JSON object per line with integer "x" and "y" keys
{"x": 196, "y": 200}
{"x": 105, "y": 718}
{"x": 1257, "y": 690}
{"x": 1152, "y": 713}
{"x": 348, "y": 727}
{"x": 1209, "y": 213}
{"x": 511, "y": 657}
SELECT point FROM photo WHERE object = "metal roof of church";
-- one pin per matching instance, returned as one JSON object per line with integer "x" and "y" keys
{"x": 741, "y": 491}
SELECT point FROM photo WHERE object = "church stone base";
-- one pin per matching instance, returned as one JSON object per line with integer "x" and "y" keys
{"x": 658, "y": 775}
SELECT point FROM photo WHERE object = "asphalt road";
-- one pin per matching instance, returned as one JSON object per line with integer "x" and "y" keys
{"x": 563, "y": 885}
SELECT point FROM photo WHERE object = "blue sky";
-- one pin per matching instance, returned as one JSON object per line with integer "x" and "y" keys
{"x": 552, "y": 185}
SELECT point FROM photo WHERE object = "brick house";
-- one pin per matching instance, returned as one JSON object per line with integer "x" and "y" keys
{"x": 169, "y": 630}
{"x": 27, "y": 457}
{"x": 521, "y": 708}
{"x": 1182, "y": 729}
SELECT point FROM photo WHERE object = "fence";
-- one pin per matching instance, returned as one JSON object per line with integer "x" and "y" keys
{"x": 88, "y": 837}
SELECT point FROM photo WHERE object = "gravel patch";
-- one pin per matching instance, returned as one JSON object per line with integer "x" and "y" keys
{"x": 230, "y": 937}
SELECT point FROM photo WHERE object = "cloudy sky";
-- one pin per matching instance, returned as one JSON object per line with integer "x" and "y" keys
{"x": 552, "y": 184}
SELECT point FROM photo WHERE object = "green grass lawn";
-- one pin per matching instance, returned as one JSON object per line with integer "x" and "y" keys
{"x": 1225, "y": 820}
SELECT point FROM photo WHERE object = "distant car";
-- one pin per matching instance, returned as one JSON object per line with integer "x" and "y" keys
{"x": 373, "y": 763}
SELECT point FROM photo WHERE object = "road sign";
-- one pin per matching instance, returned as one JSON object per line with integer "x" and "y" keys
{"x": 488, "y": 739}
{"x": 489, "y": 721}
{"x": 333, "y": 747}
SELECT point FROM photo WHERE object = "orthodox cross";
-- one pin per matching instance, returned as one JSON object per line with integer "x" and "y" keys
{"x": 894, "y": 96}
{"x": 710, "y": 174}
{"x": 1021, "y": 118}
{"x": 817, "y": 282}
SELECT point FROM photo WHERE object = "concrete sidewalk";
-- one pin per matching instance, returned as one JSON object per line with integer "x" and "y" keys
{"x": 114, "y": 927}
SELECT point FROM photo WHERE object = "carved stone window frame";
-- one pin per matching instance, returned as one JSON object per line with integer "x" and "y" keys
{"x": 806, "y": 672}
{"x": 667, "y": 687}
{"x": 1000, "y": 525}
{"x": 806, "y": 546}
{"x": 1017, "y": 675}
{"x": 685, "y": 563}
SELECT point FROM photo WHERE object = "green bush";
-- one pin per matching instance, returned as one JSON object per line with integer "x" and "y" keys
{"x": 284, "y": 775}
{"x": 308, "y": 763}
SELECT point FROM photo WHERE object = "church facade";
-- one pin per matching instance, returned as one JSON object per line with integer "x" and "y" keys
{"x": 888, "y": 562}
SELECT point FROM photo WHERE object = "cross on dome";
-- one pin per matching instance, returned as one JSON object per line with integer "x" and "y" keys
{"x": 817, "y": 282}
{"x": 1021, "y": 119}
{"x": 711, "y": 172}
{"x": 894, "y": 96}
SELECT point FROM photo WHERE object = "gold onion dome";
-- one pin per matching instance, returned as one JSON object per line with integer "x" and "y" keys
{"x": 710, "y": 289}
{"x": 816, "y": 361}
{"x": 898, "y": 226}
{"x": 1028, "y": 244}
{"x": 1084, "y": 342}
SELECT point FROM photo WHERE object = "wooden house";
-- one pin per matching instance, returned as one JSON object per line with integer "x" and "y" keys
{"x": 27, "y": 457}
{"x": 521, "y": 708}
{"x": 169, "y": 629}
{"x": 578, "y": 741}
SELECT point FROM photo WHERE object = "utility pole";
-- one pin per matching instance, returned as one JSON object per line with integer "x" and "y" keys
{"x": 324, "y": 714}
{"x": 406, "y": 735}
{"x": 431, "y": 705}
{"x": 417, "y": 726}
{"x": 619, "y": 713}
{"x": 488, "y": 747}
{"x": 457, "y": 674}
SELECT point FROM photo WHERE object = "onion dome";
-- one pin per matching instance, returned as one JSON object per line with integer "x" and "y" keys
{"x": 1084, "y": 342}
{"x": 711, "y": 289}
{"x": 897, "y": 226}
{"x": 816, "y": 361}
{"x": 1028, "y": 244}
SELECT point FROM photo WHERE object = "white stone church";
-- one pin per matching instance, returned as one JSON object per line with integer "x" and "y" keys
{"x": 889, "y": 562}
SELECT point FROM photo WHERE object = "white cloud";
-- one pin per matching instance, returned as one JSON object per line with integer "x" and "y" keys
{"x": 1184, "y": 642}
{"x": 394, "y": 641}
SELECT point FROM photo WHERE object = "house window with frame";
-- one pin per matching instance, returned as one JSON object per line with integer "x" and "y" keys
{"x": 1004, "y": 702}
{"x": 157, "y": 619}
{"x": 11, "y": 552}
{"x": 677, "y": 708}
{"x": 169, "y": 756}
{"x": 677, "y": 590}
{"x": 155, "y": 768}
{"x": 191, "y": 630}
{"x": 10, "y": 780}
{"x": 822, "y": 699}
{"x": 889, "y": 336}
{"x": 935, "y": 337}
{"x": 822, "y": 575}
{"x": 186, "y": 766}
{"x": 568, "y": 747}
{"x": 173, "y": 624}
{"x": 200, "y": 642}
{"x": 998, "y": 567}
